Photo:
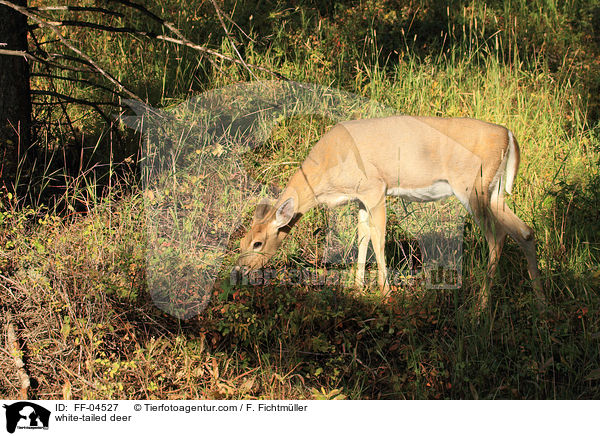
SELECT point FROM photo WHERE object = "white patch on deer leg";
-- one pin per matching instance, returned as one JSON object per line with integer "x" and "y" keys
{"x": 363, "y": 244}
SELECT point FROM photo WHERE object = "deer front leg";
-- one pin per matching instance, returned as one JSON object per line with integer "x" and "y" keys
{"x": 363, "y": 244}
{"x": 377, "y": 221}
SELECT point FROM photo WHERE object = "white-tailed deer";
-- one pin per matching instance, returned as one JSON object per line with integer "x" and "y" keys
{"x": 417, "y": 158}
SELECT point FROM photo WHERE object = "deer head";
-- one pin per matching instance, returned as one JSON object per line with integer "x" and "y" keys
{"x": 270, "y": 226}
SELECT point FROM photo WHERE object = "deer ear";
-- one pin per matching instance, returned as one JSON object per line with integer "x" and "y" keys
{"x": 285, "y": 213}
{"x": 262, "y": 209}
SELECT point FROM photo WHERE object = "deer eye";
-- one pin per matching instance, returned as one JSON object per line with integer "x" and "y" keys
{"x": 257, "y": 245}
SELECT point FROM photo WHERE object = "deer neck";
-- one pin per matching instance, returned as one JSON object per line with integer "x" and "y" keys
{"x": 302, "y": 189}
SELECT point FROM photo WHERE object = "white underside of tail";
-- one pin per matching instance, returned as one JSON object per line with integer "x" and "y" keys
{"x": 511, "y": 163}
{"x": 505, "y": 176}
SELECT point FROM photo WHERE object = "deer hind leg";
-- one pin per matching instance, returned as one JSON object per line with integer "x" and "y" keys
{"x": 495, "y": 235}
{"x": 364, "y": 235}
{"x": 524, "y": 236}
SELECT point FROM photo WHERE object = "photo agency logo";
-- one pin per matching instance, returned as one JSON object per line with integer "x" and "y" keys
{"x": 200, "y": 165}
{"x": 25, "y": 415}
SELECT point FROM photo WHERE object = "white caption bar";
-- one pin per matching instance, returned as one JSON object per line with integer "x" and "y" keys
{"x": 298, "y": 417}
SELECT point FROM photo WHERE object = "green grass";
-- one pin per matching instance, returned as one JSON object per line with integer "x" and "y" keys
{"x": 73, "y": 245}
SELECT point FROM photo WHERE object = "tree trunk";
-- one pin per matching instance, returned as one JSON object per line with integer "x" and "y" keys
{"x": 15, "y": 98}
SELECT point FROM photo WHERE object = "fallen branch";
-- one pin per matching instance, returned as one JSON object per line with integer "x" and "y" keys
{"x": 15, "y": 352}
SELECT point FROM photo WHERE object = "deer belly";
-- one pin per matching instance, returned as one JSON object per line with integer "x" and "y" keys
{"x": 333, "y": 199}
{"x": 436, "y": 191}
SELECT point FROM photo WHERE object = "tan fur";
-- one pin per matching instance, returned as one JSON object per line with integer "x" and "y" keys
{"x": 417, "y": 157}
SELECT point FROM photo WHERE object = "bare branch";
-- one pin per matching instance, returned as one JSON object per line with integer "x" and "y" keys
{"x": 67, "y": 57}
{"x": 47, "y": 61}
{"x": 76, "y": 8}
{"x": 73, "y": 79}
{"x": 182, "y": 40}
{"x": 140, "y": 8}
{"x": 90, "y": 25}
{"x": 94, "y": 67}
{"x": 94, "y": 105}
{"x": 64, "y": 41}
{"x": 63, "y": 104}
{"x": 17, "y": 53}
{"x": 74, "y": 99}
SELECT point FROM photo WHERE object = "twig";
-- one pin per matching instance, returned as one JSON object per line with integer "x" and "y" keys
{"x": 190, "y": 44}
{"x": 140, "y": 8}
{"x": 94, "y": 105}
{"x": 15, "y": 352}
{"x": 73, "y": 99}
{"x": 7, "y": 289}
{"x": 73, "y": 59}
{"x": 81, "y": 378}
{"x": 11, "y": 281}
{"x": 47, "y": 61}
{"x": 239, "y": 28}
{"x": 230, "y": 39}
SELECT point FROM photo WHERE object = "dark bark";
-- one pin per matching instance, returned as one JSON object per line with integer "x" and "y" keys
{"x": 15, "y": 99}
